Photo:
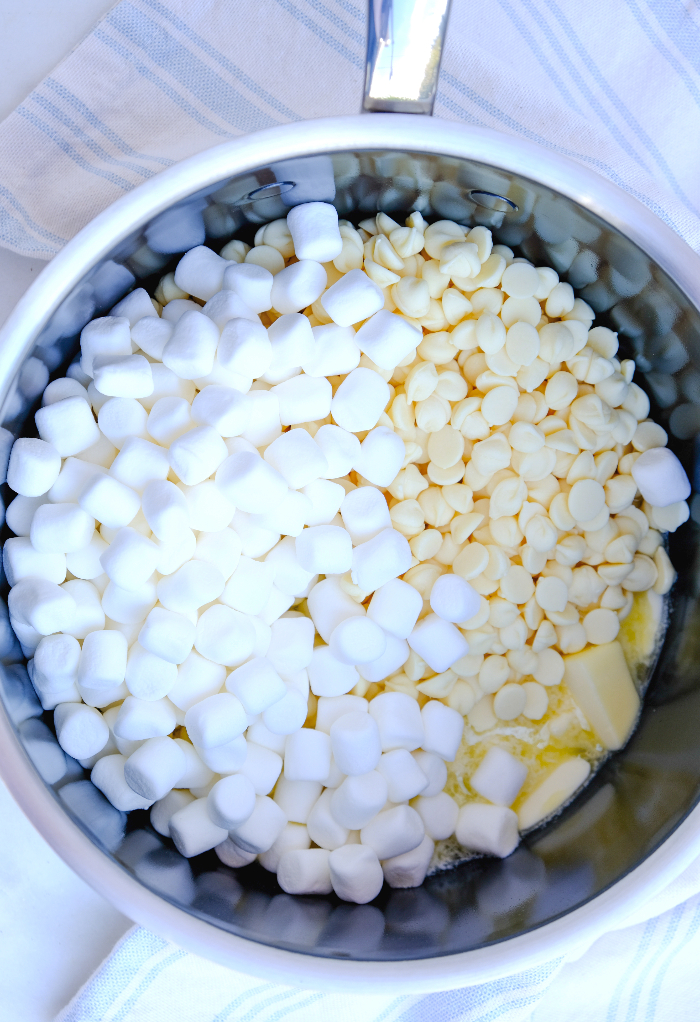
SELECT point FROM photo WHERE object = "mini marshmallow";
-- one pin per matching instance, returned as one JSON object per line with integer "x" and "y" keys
{"x": 660, "y": 477}
{"x": 233, "y": 856}
{"x": 215, "y": 720}
{"x": 262, "y": 828}
{"x": 224, "y": 636}
{"x": 326, "y": 499}
{"x": 108, "y": 776}
{"x": 109, "y": 501}
{"x": 139, "y": 462}
{"x": 190, "y": 587}
{"x": 193, "y": 831}
{"x": 335, "y": 351}
{"x": 303, "y": 399}
{"x": 499, "y": 777}
{"x": 393, "y": 832}
{"x": 222, "y": 408}
{"x": 439, "y": 815}
{"x": 324, "y": 549}
{"x": 148, "y": 676}
{"x": 381, "y": 456}
{"x": 200, "y": 272}
{"x": 381, "y": 559}
{"x": 252, "y": 283}
{"x": 42, "y": 606}
{"x": 207, "y": 508}
{"x": 123, "y": 376}
{"x": 55, "y": 670}
{"x": 244, "y": 348}
{"x": 307, "y": 756}
{"x": 197, "y": 678}
{"x": 434, "y": 769}
{"x": 387, "y": 338}
{"x": 89, "y": 615}
{"x": 151, "y": 334}
{"x": 197, "y": 454}
{"x": 298, "y": 286}
{"x": 85, "y": 563}
{"x": 328, "y": 605}
{"x": 305, "y": 871}
{"x": 365, "y": 513}
{"x": 453, "y": 599}
{"x": 399, "y": 721}
{"x": 288, "y": 516}
{"x": 291, "y": 343}
{"x": 191, "y": 349}
{"x": 321, "y": 825}
{"x": 263, "y": 425}
{"x": 340, "y": 447}
{"x": 359, "y": 400}
{"x": 80, "y": 730}
{"x": 231, "y": 801}
{"x": 20, "y": 512}
{"x": 108, "y": 335}
{"x": 167, "y": 635}
{"x": 409, "y": 869}
{"x": 330, "y": 709}
{"x": 165, "y": 808}
{"x": 165, "y": 509}
{"x": 155, "y": 768}
{"x": 395, "y": 607}
{"x": 438, "y": 642}
{"x": 403, "y": 775}
{"x": 358, "y": 799}
{"x": 139, "y": 719}
{"x": 492, "y": 830}
{"x": 357, "y": 640}
{"x": 297, "y": 798}
{"x": 353, "y": 298}
{"x": 297, "y": 458}
{"x": 221, "y": 548}
{"x": 121, "y": 419}
{"x": 68, "y": 425}
{"x": 354, "y": 738}
{"x": 287, "y": 715}
{"x": 291, "y": 644}
{"x": 135, "y": 306}
{"x": 329, "y": 676}
{"x": 130, "y": 560}
{"x": 61, "y": 528}
{"x": 395, "y": 655}
{"x": 225, "y": 759}
{"x": 62, "y": 388}
{"x": 225, "y": 306}
{"x": 250, "y": 483}
{"x": 290, "y": 577}
{"x": 356, "y": 873}
{"x": 128, "y": 607}
{"x": 33, "y": 467}
{"x": 262, "y": 767}
{"x": 443, "y": 729}
{"x": 314, "y": 230}
{"x": 21, "y": 560}
{"x": 249, "y": 587}
{"x": 257, "y": 684}
{"x": 255, "y": 540}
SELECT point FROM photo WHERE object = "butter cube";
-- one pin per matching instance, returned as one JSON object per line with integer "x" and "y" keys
{"x": 602, "y": 688}
{"x": 554, "y": 791}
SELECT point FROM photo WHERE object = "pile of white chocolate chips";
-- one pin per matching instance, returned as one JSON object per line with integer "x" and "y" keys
{"x": 323, "y": 552}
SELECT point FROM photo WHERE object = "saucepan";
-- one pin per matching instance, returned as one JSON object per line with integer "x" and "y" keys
{"x": 637, "y": 825}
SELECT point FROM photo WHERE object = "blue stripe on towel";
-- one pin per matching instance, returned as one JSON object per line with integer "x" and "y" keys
{"x": 321, "y": 33}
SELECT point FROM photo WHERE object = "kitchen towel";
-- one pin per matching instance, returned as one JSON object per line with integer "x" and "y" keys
{"x": 646, "y": 972}
{"x": 612, "y": 83}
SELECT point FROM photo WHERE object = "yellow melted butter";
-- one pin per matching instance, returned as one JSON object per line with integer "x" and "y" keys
{"x": 561, "y": 733}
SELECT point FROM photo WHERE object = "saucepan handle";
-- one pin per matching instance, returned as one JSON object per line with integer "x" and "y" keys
{"x": 404, "y": 47}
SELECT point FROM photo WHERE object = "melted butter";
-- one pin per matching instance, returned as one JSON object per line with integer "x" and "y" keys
{"x": 563, "y": 732}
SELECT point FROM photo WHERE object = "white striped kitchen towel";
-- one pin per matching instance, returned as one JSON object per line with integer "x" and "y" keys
{"x": 612, "y": 83}
{"x": 646, "y": 972}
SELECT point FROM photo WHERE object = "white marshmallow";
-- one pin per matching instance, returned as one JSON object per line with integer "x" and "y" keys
{"x": 298, "y": 286}
{"x": 123, "y": 376}
{"x": 399, "y": 721}
{"x": 296, "y": 799}
{"x": 224, "y": 636}
{"x": 130, "y": 559}
{"x": 324, "y": 549}
{"x": 340, "y": 447}
{"x": 434, "y": 769}
{"x": 80, "y": 730}
{"x": 220, "y": 547}
{"x": 262, "y": 828}
{"x": 197, "y": 454}
{"x": 121, "y": 419}
{"x": 409, "y": 869}
{"x": 287, "y": 715}
{"x": 40, "y": 745}
{"x": 166, "y": 384}
{"x": 297, "y": 458}
{"x": 155, "y": 768}
{"x": 196, "y": 774}
{"x": 393, "y": 832}
{"x": 358, "y": 799}
{"x": 61, "y": 528}
{"x": 381, "y": 456}
{"x": 395, "y": 607}
{"x": 55, "y": 670}
{"x": 381, "y": 559}
{"x": 252, "y": 283}
{"x": 249, "y": 587}
{"x": 177, "y": 307}
{"x": 305, "y": 871}
{"x": 139, "y": 462}
{"x": 403, "y": 775}
{"x": 41, "y": 605}
{"x": 135, "y": 306}
{"x": 165, "y": 808}
{"x": 356, "y": 873}
{"x": 85, "y": 563}
{"x": 62, "y": 388}
{"x": 357, "y": 640}
{"x": 68, "y": 425}
{"x": 108, "y": 335}
{"x": 200, "y": 272}
{"x": 165, "y": 509}
{"x": 303, "y": 399}
{"x": 443, "y": 729}
{"x": 492, "y": 830}
{"x": 354, "y": 738}
{"x": 208, "y": 509}
{"x": 499, "y": 777}
{"x": 328, "y": 605}
{"x": 359, "y": 400}
{"x": 329, "y": 676}
{"x": 439, "y": 815}
{"x": 225, "y": 306}
{"x": 660, "y": 477}
{"x": 193, "y": 831}
{"x": 191, "y": 587}
{"x": 250, "y": 483}
{"x": 109, "y": 501}
{"x": 453, "y": 599}
{"x": 330, "y": 709}
{"x": 395, "y": 655}
{"x": 288, "y": 516}
{"x": 128, "y": 607}
{"x": 365, "y": 513}
{"x": 33, "y": 467}
{"x": 222, "y": 408}
{"x": 244, "y": 347}
{"x": 89, "y": 614}
{"x": 20, "y": 512}
{"x": 231, "y": 855}
{"x": 257, "y": 684}
{"x": 387, "y": 339}
{"x": 167, "y": 635}
{"x": 289, "y": 577}
{"x": 294, "y": 837}
{"x": 191, "y": 350}
{"x": 263, "y": 409}
{"x": 215, "y": 720}
{"x": 231, "y": 801}
{"x": 262, "y": 767}
{"x": 353, "y": 298}
{"x": 438, "y": 642}
{"x": 260, "y": 735}
{"x": 225, "y": 759}
{"x": 307, "y": 757}
{"x": 148, "y": 676}
{"x": 197, "y": 678}
{"x": 291, "y": 344}
{"x": 323, "y": 829}
{"x": 151, "y": 334}
{"x": 139, "y": 719}
{"x": 21, "y": 560}
{"x": 315, "y": 232}
{"x": 108, "y": 776}
{"x": 335, "y": 351}
{"x": 326, "y": 498}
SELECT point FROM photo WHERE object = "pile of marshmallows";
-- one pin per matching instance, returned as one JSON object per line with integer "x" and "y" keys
{"x": 189, "y": 518}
